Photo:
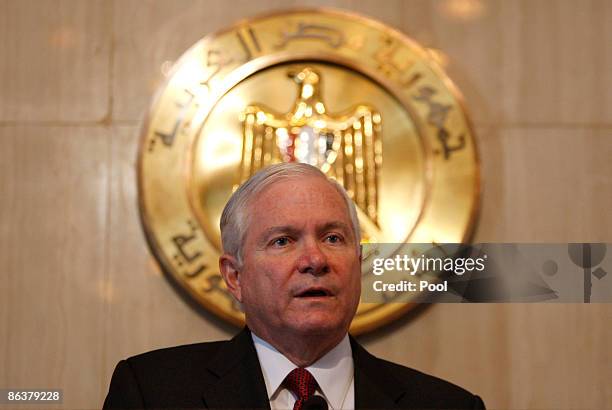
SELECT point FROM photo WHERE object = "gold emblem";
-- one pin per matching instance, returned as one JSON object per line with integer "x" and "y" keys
{"x": 359, "y": 100}
{"x": 345, "y": 147}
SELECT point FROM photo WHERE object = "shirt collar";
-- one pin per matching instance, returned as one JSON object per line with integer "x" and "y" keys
{"x": 333, "y": 371}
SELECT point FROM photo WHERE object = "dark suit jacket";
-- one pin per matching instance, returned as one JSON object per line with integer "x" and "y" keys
{"x": 227, "y": 375}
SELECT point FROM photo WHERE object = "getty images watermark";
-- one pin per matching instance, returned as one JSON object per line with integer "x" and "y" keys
{"x": 486, "y": 273}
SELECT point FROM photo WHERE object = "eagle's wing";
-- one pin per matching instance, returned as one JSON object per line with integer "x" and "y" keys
{"x": 259, "y": 149}
{"x": 357, "y": 156}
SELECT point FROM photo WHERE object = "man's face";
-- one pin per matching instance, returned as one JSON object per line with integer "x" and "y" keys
{"x": 301, "y": 265}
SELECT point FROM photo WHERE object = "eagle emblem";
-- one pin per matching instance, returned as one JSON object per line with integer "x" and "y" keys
{"x": 346, "y": 146}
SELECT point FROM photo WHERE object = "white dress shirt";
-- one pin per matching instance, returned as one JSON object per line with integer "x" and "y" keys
{"x": 333, "y": 373}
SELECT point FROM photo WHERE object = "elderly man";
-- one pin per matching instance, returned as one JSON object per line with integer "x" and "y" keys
{"x": 292, "y": 259}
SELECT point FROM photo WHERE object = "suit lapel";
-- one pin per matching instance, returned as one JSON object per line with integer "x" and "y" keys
{"x": 240, "y": 382}
{"x": 373, "y": 387}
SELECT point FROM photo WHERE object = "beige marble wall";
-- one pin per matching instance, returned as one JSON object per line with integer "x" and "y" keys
{"x": 79, "y": 289}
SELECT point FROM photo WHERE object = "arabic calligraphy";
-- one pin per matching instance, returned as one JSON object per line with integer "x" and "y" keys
{"x": 437, "y": 117}
{"x": 333, "y": 37}
{"x": 184, "y": 258}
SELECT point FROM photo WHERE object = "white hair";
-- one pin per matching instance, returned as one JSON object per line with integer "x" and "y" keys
{"x": 235, "y": 219}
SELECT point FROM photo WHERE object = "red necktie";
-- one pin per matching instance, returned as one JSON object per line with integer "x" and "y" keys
{"x": 302, "y": 384}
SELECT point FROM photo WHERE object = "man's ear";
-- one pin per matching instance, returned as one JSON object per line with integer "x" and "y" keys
{"x": 229, "y": 268}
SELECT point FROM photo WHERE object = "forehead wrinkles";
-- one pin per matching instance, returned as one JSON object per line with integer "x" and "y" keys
{"x": 290, "y": 189}
{"x": 291, "y": 193}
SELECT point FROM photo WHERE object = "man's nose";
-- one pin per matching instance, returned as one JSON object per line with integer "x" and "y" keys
{"x": 312, "y": 259}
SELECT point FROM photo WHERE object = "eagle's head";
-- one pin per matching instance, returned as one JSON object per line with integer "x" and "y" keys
{"x": 304, "y": 75}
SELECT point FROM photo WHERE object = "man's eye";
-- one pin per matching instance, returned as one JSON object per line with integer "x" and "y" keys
{"x": 282, "y": 241}
{"x": 333, "y": 238}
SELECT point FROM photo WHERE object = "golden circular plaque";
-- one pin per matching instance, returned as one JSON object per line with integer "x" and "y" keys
{"x": 360, "y": 100}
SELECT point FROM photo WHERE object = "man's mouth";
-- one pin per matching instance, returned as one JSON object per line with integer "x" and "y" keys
{"x": 314, "y": 292}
